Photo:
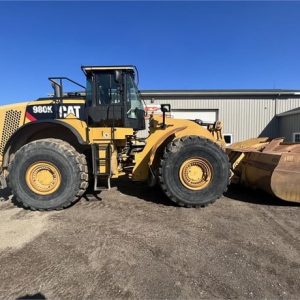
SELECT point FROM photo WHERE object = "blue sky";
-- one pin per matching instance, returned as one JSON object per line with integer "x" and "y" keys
{"x": 176, "y": 45}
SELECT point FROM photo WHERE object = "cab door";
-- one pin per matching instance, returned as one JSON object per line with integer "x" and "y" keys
{"x": 107, "y": 109}
{"x": 134, "y": 109}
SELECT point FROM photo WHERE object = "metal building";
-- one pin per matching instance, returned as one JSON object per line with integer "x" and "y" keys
{"x": 245, "y": 113}
{"x": 289, "y": 125}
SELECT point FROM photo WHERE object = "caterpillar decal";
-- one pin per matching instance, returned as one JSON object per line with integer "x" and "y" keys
{"x": 65, "y": 110}
{"x": 55, "y": 111}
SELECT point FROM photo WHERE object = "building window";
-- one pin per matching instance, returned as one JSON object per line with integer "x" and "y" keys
{"x": 228, "y": 138}
{"x": 296, "y": 137}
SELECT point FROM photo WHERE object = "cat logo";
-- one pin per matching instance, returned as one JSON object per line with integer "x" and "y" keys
{"x": 64, "y": 111}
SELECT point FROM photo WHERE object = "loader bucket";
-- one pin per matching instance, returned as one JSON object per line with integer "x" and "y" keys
{"x": 269, "y": 165}
{"x": 285, "y": 180}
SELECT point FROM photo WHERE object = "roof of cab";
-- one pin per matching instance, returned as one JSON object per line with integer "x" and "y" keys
{"x": 88, "y": 69}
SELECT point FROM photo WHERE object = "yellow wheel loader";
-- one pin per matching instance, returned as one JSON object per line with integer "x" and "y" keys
{"x": 52, "y": 148}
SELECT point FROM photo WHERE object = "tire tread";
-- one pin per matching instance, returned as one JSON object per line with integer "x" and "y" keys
{"x": 72, "y": 154}
{"x": 175, "y": 146}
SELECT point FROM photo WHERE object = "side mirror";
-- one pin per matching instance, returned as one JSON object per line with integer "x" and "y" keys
{"x": 165, "y": 108}
{"x": 118, "y": 76}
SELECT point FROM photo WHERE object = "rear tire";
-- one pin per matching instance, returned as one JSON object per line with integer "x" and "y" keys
{"x": 48, "y": 174}
{"x": 194, "y": 171}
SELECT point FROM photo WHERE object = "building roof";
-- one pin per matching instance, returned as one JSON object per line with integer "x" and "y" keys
{"x": 254, "y": 92}
{"x": 290, "y": 112}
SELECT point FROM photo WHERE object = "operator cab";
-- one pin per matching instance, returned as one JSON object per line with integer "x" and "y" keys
{"x": 112, "y": 97}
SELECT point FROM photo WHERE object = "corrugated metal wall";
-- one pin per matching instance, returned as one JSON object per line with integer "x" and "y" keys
{"x": 288, "y": 125}
{"x": 245, "y": 117}
{"x": 287, "y": 104}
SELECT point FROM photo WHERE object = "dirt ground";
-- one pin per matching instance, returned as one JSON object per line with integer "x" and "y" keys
{"x": 132, "y": 242}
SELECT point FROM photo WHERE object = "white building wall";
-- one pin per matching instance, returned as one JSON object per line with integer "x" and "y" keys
{"x": 244, "y": 118}
{"x": 284, "y": 105}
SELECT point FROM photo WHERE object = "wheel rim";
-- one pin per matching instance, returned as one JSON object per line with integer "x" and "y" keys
{"x": 43, "y": 178}
{"x": 196, "y": 173}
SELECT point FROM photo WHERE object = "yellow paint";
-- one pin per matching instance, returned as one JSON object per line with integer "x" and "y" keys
{"x": 161, "y": 140}
{"x": 98, "y": 134}
{"x": 159, "y": 134}
{"x": 114, "y": 163}
{"x": 9, "y": 123}
{"x": 43, "y": 178}
{"x": 196, "y": 173}
{"x": 78, "y": 125}
{"x": 254, "y": 144}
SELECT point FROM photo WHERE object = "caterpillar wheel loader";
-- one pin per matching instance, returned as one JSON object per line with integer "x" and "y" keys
{"x": 52, "y": 148}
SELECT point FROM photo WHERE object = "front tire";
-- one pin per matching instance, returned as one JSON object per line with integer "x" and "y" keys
{"x": 194, "y": 171}
{"x": 48, "y": 174}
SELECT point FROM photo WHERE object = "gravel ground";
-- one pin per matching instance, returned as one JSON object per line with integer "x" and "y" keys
{"x": 131, "y": 242}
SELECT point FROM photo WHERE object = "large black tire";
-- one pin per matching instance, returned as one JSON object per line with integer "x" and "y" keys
{"x": 71, "y": 165}
{"x": 176, "y": 154}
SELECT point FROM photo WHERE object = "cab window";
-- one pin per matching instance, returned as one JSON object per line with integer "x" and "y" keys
{"x": 108, "y": 91}
{"x": 134, "y": 102}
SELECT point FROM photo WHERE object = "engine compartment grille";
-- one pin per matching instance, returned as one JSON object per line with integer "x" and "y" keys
{"x": 11, "y": 124}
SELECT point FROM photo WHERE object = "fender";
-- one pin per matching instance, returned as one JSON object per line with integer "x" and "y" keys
{"x": 177, "y": 127}
{"x": 31, "y": 127}
{"x": 161, "y": 140}
{"x": 145, "y": 159}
